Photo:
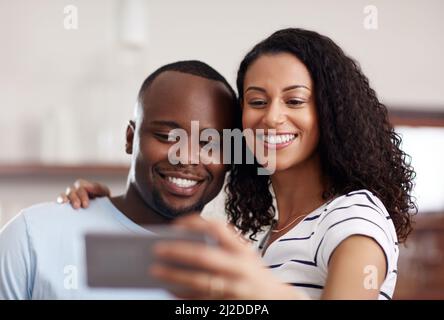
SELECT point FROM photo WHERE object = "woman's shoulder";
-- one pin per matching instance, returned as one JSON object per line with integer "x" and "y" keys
{"x": 359, "y": 207}
{"x": 356, "y": 199}
{"x": 359, "y": 212}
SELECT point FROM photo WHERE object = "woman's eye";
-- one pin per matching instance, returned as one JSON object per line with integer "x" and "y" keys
{"x": 257, "y": 103}
{"x": 295, "y": 102}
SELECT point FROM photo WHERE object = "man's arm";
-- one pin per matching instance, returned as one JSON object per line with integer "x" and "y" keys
{"x": 15, "y": 261}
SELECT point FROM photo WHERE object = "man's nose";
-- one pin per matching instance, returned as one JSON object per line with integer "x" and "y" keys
{"x": 192, "y": 154}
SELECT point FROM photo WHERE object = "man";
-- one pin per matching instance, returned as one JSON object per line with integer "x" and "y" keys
{"x": 41, "y": 250}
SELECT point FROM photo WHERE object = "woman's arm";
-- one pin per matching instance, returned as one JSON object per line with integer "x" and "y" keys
{"x": 235, "y": 271}
{"x": 81, "y": 191}
{"x": 356, "y": 270}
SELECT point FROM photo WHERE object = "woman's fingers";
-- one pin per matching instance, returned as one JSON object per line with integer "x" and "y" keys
{"x": 62, "y": 198}
{"x": 73, "y": 197}
{"x": 83, "y": 196}
{"x": 79, "y": 194}
{"x": 196, "y": 285}
{"x": 94, "y": 189}
{"x": 226, "y": 235}
{"x": 211, "y": 259}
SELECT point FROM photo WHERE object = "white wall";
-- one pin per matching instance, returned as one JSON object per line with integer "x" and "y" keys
{"x": 65, "y": 95}
{"x": 81, "y": 84}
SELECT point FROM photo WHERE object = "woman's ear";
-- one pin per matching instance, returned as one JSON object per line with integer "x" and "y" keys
{"x": 130, "y": 137}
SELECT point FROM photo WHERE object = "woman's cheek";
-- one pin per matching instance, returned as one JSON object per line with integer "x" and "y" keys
{"x": 251, "y": 118}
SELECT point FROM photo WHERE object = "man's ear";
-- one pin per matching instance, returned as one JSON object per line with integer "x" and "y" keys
{"x": 130, "y": 137}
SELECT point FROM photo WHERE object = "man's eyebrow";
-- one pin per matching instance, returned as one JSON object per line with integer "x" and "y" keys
{"x": 171, "y": 124}
{"x": 296, "y": 86}
{"x": 208, "y": 128}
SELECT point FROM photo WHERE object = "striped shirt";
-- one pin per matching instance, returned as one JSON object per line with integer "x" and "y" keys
{"x": 300, "y": 257}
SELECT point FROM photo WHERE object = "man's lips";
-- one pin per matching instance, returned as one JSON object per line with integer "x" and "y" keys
{"x": 179, "y": 183}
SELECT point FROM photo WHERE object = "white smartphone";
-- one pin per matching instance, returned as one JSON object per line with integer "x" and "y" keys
{"x": 122, "y": 260}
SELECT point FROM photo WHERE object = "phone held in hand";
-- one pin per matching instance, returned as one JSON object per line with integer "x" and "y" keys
{"x": 122, "y": 260}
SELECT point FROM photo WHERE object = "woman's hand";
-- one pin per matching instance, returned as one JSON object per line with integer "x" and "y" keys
{"x": 78, "y": 195}
{"x": 232, "y": 270}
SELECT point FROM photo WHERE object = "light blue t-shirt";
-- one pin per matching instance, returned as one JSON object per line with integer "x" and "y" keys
{"x": 42, "y": 254}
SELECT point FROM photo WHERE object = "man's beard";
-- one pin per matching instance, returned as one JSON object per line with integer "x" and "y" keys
{"x": 166, "y": 211}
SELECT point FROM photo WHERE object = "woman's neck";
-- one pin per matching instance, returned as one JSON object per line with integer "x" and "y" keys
{"x": 299, "y": 189}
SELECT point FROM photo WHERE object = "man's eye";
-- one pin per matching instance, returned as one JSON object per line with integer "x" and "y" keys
{"x": 165, "y": 137}
{"x": 257, "y": 103}
{"x": 211, "y": 143}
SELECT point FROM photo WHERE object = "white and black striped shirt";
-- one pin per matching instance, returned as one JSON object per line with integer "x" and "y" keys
{"x": 300, "y": 257}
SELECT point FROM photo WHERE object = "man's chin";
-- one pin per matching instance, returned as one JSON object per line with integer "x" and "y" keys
{"x": 171, "y": 212}
{"x": 171, "y": 207}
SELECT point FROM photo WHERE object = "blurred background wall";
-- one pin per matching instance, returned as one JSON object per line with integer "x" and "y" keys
{"x": 66, "y": 95}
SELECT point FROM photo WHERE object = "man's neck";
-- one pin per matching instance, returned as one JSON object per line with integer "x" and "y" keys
{"x": 132, "y": 205}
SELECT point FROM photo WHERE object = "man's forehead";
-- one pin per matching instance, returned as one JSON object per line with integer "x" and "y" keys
{"x": 185, "y": 97}
{"x": 162, "y": 118}
{"x": 175, "y": 83}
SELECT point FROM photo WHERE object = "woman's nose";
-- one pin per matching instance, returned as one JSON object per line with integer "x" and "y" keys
{"x": 274, "y": 116}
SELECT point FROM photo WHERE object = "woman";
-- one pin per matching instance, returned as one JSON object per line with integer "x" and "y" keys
{"x": 342, "y": 185}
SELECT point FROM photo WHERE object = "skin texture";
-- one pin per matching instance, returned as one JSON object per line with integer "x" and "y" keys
{"x": 278, "y": 95}
{"x": 346, "y": 275}
{"x": 271, "y": 103}
{"x": 234, "y": 266}
{"x": 172, "y": 101}
{"x": 298, "y": 184}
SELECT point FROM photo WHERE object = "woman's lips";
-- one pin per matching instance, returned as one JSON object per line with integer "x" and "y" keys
{"x": 278, "y": 141}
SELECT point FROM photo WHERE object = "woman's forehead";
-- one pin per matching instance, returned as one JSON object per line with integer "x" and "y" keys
{"x": 277, "y": 70}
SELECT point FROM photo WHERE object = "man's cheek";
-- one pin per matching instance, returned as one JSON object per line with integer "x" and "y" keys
{"x": 218, "y": 174}
{"x": 155, "y": 151}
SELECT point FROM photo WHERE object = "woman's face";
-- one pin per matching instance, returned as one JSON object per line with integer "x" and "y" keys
{"x": 279, "y": 94}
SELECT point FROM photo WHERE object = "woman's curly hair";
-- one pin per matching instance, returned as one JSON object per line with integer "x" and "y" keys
{"x": 358, "y": 147}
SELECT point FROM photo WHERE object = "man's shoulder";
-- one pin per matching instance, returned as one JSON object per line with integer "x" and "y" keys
{"x": 56, "y": 210}
{"x": 48, "y": 208}
{"x": 47, "y": 214}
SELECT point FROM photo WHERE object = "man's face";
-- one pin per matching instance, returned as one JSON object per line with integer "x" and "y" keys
{"x": 172, "y": 101}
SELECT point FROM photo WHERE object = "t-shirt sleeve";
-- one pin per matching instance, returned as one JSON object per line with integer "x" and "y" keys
{"x": 354, "y": 216}
{"x": 15, "y": 261}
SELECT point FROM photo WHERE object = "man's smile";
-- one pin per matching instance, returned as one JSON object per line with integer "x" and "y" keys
{"x": 181, "y": 183}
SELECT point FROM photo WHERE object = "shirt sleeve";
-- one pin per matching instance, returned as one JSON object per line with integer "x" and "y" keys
{"x": 347, "y": 218}
{"x": 15, "y": 261}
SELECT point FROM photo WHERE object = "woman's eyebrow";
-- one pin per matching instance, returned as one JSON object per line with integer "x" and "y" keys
{"x": 255, "y": 89}
{"x": 296, "y": 86}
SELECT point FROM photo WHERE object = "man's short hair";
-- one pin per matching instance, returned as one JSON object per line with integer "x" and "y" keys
{"x": 193, "y": 67}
